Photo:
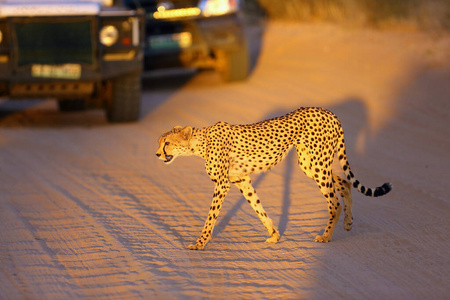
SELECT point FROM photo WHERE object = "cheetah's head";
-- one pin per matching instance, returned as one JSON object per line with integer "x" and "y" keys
{"x": 174, "y": 143}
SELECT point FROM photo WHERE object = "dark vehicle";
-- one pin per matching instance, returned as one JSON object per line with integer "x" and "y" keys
{"x": 83, "y": 53}
{"x": 195, "y": 33}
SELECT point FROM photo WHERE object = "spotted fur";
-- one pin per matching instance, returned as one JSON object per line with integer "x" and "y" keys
{"x": 233, "y": 152}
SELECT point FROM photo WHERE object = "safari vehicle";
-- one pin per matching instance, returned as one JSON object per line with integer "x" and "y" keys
{"x": 201, "y": 34}
{"x": 85, "y": 54}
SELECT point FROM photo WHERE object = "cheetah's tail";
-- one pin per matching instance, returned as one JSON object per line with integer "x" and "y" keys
{"x": 371, "y": 192}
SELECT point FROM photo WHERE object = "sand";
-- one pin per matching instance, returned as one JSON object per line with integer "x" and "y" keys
{"x": 87, "y": 210}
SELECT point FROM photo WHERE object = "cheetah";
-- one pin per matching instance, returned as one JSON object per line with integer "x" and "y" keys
{"x": 233, "y": 152}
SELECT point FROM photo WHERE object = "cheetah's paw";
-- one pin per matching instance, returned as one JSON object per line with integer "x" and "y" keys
{"x": 274, "y": 238}
{"x": 348, "y": 226}
{"x": 321, "y": 239}
{"x": 196, "y": 247}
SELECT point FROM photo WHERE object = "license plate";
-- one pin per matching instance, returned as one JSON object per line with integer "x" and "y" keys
{"x": 66, "y": 71}
{"x": 171, "y": 41}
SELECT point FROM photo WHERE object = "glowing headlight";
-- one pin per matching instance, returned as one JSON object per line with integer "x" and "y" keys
{"x": 109, "y": 35}
{"x": 218, "y": 7}
{"x": 1, "y": 36}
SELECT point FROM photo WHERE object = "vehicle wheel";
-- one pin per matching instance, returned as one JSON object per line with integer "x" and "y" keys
{"x": 125, "y": 101}
{"x": 234, "y": 65}
{"x": 71, "y": 105}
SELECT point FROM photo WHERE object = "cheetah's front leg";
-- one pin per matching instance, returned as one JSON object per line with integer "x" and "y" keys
{"x": 245, "y": 186}
{"x": 221, "y": 189}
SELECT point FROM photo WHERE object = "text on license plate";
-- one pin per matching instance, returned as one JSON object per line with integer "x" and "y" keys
{"x": 66, "y": 71}
{"x": 176, "y": 40}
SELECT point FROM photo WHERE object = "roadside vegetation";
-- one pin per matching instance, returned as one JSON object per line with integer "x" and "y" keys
{"x": 430, "y": 15}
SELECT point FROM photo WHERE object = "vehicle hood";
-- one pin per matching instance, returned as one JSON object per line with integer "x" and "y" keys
{"x": 31, "y": 8}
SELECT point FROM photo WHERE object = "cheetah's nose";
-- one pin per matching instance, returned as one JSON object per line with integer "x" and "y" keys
{"x": 158, "y": 154}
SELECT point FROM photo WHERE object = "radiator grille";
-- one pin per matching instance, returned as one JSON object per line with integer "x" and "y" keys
{"x": 54, "y": 42}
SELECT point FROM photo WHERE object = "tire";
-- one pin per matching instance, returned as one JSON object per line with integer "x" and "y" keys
{"x": 71, "y": 105}
{"x": 125, "y": 101}
{"x": 235, "y": 64}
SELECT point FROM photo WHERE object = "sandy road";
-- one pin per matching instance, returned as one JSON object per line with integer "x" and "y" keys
{"x": 86, "y": 210}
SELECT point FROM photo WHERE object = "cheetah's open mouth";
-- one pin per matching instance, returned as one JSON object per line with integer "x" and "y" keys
{"x": 168, "y": 158}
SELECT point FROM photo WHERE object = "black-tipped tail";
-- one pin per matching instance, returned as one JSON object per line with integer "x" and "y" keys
{"x": 377, "y": 192}
{"x": 382, "y": 190}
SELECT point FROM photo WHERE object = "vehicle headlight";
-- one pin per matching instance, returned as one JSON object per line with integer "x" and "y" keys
{"x": 218, "y": 7}
{"x": 109, "y": 35}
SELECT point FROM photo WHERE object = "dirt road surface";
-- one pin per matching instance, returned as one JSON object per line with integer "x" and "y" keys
{"x": 87, "y": 211}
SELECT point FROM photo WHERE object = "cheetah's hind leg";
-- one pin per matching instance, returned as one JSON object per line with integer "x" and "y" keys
{"x": 343, "y": 187}
{"x": 334, "y": 208}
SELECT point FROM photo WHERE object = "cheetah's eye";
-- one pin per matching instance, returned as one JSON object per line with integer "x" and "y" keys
{"x": 167, "y": 143}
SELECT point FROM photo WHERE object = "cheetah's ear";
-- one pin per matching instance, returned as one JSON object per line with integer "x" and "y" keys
{"x": 176, "y": 129}
{"x": 186, "y": 133}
